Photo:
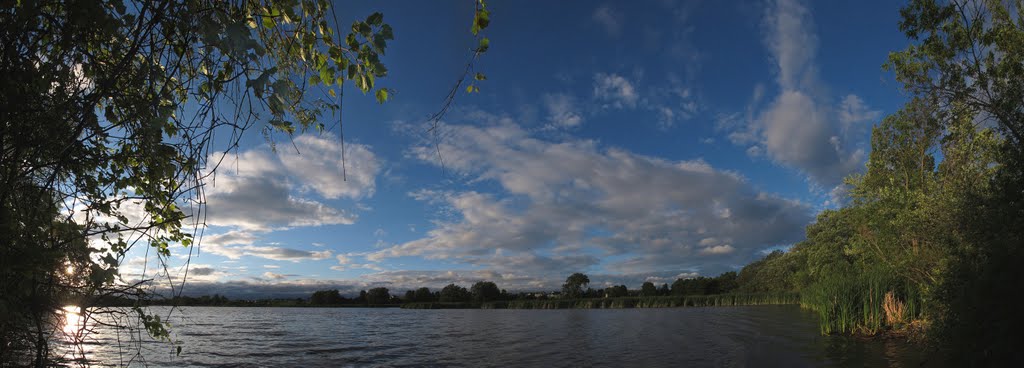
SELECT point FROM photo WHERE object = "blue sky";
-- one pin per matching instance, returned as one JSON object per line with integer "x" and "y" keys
{"x": 628, "y": 141}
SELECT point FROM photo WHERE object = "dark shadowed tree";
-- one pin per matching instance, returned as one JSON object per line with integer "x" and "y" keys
{"x": 574, "y": 284}
{"x": 485, "y": 291}
{"x": 967, "y": 55}
{"x": 326, "y": 297}
{"x": 616, "y": 291}
{"x": 648, "y": 289}
{"x": 454, "y": 293}
{"x": 378, "y": 295}
{"x": 423, "y": 295}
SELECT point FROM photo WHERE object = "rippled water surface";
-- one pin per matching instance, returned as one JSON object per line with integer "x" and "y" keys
{"x": 783, "y": 336}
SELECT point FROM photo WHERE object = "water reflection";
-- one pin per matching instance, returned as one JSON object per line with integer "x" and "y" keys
{"x": 73, "y": 321}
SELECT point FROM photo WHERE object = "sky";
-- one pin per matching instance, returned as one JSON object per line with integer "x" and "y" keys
{"x": 630, "y": 141}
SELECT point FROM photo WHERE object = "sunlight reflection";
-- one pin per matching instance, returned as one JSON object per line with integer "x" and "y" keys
{"x": 73, "y": 320}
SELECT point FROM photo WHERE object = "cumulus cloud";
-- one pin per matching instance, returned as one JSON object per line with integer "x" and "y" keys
{"x": 317, "y": 163}
{"x": 800, "y": 127}
{"x": 255, "y": 189}
{"x": 566, "y": 206}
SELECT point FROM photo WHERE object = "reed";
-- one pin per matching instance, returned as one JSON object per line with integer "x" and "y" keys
{"x": 626, "y": 302}
{"x": 894, "y": 309}
{"x": 867, "y": 303}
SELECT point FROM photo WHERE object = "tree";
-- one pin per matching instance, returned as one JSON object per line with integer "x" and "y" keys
{"x": 966, "y": 56}
{"x": 454, "y": 293}
{"x": 727, "y": 282}
{"x": 378, "y": 295}
{"x": 108, "y": 115}
{"x": 484, "y": 291}
{"x": 326, "y": 297}
{"x": 574, "y": 285}
{"x": 616, "y": 291}
{"x": 423, "y": 295}
{"x": 648, "y": 289}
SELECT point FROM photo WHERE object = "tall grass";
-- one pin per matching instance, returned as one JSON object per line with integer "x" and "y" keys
{"x": 866, "y": 303}
{"x": 627, "y": 302}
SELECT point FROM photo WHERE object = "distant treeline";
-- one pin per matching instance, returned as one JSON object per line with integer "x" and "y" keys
{"x": 728, "y": 288}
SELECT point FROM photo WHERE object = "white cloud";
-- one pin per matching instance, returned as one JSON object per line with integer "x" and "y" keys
{"x": 562, "y": 111}
{"x": 273, "y": 276}
{"x": 566, "y": 206}
{"x": 236, "y": 244}
{"x": 254, "y": 190}
{"x": 800, "y": 127}
{"x": 608, "y": 19}
{"x": 718, "y": 249}
{"x": 615, "y": 91}
{"x": 318, "y": 166}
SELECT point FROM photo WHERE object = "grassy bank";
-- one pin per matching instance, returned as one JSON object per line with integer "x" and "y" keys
{"x": 624, "y": 302}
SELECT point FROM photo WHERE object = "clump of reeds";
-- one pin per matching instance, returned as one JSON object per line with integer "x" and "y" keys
{"x": 894, "y": 309}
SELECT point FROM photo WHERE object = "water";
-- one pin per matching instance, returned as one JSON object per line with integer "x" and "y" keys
{"x": 783, "y": 336}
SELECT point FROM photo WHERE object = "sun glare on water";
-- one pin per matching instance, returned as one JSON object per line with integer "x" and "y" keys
{"x": 73, "y": 319}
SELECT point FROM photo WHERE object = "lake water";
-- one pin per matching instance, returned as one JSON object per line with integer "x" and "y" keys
{"x": 781, "y": 336}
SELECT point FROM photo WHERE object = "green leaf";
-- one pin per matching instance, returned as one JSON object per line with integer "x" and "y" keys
{"x": 485, "y": 43}
{"x": 375, "y": 19}
{"x": 268, "y": 23}
{"x": 326, "y": 74}
{"x": 480, "y": 76}
{"x": 379, "y": 43}
{"x": 335, "y": 53}
{"x": 382, "y": 95}
{"x": 481, "y": 20}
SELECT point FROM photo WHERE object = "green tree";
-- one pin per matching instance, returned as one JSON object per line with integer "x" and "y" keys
{"x": 378, "y": 295}
{"x": 574, "y": 285}
{"x": 326, "y": 297}
{"x": 485, "y": 291}
{"x": 616, "y": 291}
{"x": 727, "y": 282}
{"x": 454, "y": 293}
{"x": 648, "y": 289}
{"x": 664, "y": 290}
{"x": 966, "y": 55}
{"x": 423, "y": 295}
